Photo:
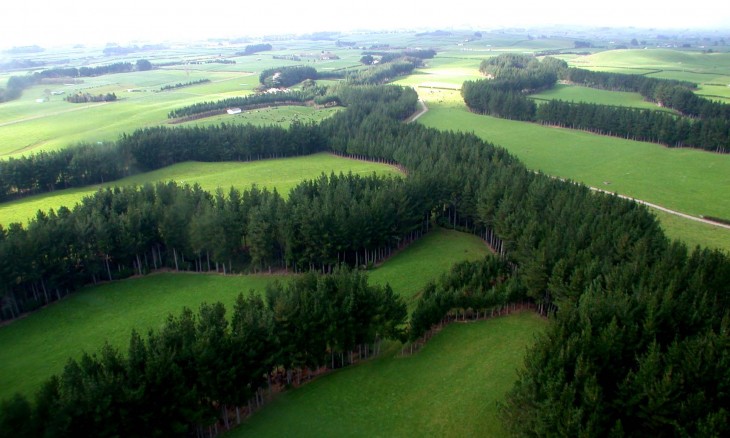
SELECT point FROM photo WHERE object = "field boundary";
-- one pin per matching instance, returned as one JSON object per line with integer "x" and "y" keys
{"x": 464, "y": 317}
{"x": 664, "y": 209}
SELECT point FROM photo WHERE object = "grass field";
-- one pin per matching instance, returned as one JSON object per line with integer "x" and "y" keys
{"x": 39, "y": 345}
{"x": 591, "y": 95}
{"x": 449, "y": 388}
{"x": 409, "y": 271}
{"x": 694, "y": 233}
{"x": 282, "y": 174}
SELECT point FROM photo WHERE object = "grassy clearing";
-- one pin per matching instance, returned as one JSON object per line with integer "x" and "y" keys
{"x": 33, "y": 348}
{"x": 283, "y": 174}
{"x": 409, "y": 271}
{"x": 449, "y": 388}
{"x": 591, "y": 95}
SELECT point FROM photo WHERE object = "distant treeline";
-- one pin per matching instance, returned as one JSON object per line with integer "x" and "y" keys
{"x": 387, "y": 56}
{"x": 184, "y": 84}
{"x": 254, "y": 48}
{"x": 705, "y": 124}
{"x": 119, "y": 50}
{"x": 16, "y": 84}
{"x": 19, "y": 50}
{"x": 17, "y": 64}
{"x": 202, "y": 366}
{"x": 86, "y": 97}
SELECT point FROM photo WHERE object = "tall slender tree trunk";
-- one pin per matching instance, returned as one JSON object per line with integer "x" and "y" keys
{"x": 108, "y": 269}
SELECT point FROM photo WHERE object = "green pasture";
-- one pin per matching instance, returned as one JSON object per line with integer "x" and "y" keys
{"x": 37, "y": 346}
{"x": 574, "y": 93}
{"x": 425, "y": 260}
{"x": 30, "y": 126}
{"x": 659, "y": 59}
{"x": 282, "y": 174}
{"x": 449, "y": 388}
{"x": 693, "y": 233}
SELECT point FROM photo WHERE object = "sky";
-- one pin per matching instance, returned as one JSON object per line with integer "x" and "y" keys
{"x": 51, "y": 22}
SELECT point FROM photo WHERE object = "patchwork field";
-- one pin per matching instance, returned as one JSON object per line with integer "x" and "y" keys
{"x": 282, "y": 174}
{"x": 33, "y": 348}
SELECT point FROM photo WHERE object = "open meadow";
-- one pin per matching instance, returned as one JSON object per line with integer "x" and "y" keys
{"x": 280, "y": 174}
{"x": 451, "y": 387}
{"x": 33, "y": 350}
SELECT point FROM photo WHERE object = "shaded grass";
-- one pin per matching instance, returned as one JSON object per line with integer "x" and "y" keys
{"x": 39, "y": 345}
{"x": 282, "y": 174}
{"x": 449, "y": 388}
{"x": 425, "y": 260}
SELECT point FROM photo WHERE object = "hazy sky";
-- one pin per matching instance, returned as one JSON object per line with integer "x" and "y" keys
{"x": 50, "y": 22}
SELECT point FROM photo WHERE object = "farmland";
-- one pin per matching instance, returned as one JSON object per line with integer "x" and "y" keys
{"x": 452, "y": 386}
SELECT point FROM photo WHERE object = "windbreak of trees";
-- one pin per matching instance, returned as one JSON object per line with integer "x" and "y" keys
{"x": 254, "y": 48}
{"x": 148, "y": 149}
{"x": 669, "y": 93}
{"x": 286, "y": 76}
{"x": 47, "y": 171}
{"x": 157, "y": 147}
{"x": 390, "y": 55}
{"x": 202, "y": 368}
{"x": 638, "y": 124}
{"x": 383, "y": 72}
{"x": 205, "y": 109}
{"x": 469, "y": 288}
{"x": 184, "y": 84}
{"x": 116, "y": 233}
{"x": 706, "y": 127}
{"x": 86, "y": 97}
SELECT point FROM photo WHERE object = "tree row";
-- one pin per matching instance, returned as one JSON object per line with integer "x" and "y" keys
{"x": 514, "y": 76}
